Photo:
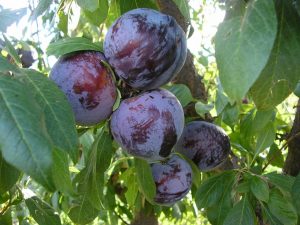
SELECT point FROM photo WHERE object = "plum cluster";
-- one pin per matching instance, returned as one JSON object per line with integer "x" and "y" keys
{"x": 146, "y": 49}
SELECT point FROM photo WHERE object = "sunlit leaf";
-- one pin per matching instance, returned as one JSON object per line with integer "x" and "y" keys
{"x": 59, "y": 116}
{"x": 23, "y": 140}
{"x": 99, "y": 15}
{"x": 90, "y": 5}
{"x": 243, "y": 45}
{"x": 281, "y": 74}
{"x": 42, "y": 6}
{"x": 69, "y": 45}
{"x": 182, "y": 93}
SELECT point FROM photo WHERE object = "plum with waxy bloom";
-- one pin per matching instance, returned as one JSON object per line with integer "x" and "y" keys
{"x": 88, "y": 85}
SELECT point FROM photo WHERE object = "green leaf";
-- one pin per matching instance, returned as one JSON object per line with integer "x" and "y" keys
{"x": 275, "y": 156}
{"x": 265, "y": 138}
{"x": 8, "y": 17}
{"x": 269, "y": 217}
{"x": 243, "y": 45}
{"x": 211, "y": 190}
{"x": 281, "y": 74}
{"x": 99, "y": 15}
{"x": 241, "y": 214}
{"x": 126, "y": 5}
{"x": 259, "y": 188}
{"x": 69, "y": 45}
{"x": 202, "y": 109}
{"x": 261, "y": 120}
{"x": 297, "y": 90}
{"x": 83, "y": 213}
{"x": 6, "y": 218}
{"x": 12, "y": 51}
{"x": 230, "y": 115}
{"x": 195, "y": 170}
{"x": 5, "y": 66}
{"x": 90, "y": 5}
{"x": 296, "y": 193}
{"x": 8, "y": 175}
{"x": 184, "y": 8}
{"x": 42, "y": 212}
{"x": 283, "y": 182}
{"x": 203, "y": 60}
{"x": 221, "y": 101}
{"x": 61, "y": 173}
{"x": 59, "y": 116}
{"x": 218, "y": 212}
{"x": 244, "y": 187}
{"x": 145, "y": 179}
{"x": 63, "y": 22}
{"x": 91, "y": 178}
{"x": 23, "y": 139}
{"x": 297, "y": 6}
{"x": 130, "y": 181}
{"x": 182, "y": 93}
{"x": 42, "y": 6}
{"x": 282, "y": 209}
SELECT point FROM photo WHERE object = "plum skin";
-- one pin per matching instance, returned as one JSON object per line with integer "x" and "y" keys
{"x": 206, "y": 144}
{"x": 146, "y": 48}
{"x": 148, "y": 125}
{"x": 87, "y": 84}
{"x": 173, "y": 180}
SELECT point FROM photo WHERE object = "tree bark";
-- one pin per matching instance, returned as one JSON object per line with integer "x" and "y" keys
{"x": 143, "y": 219}
{"x": 188, "y": 74}
{"x": 292, "y": 163}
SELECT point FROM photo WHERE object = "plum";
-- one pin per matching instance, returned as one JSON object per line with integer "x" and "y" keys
{"x": 26, "y": 58}
{"x": 148, "y": 125}
{"x": 88, "y": 85}
{"x": 146, "y": 48}
{"x": 173, "y": 180}
{"x": 206, "y": 144}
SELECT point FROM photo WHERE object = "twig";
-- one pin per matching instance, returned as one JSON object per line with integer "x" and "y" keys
{"x": 120, "y": 217}
{"x": 5, "y": 208}
{"x": 283, "y": 147}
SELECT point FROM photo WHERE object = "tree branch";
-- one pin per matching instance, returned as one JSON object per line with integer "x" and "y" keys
{"x": 292, "y": 165}
{"x": 188, "y": 74}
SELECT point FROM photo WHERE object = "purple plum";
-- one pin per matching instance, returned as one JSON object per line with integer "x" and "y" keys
{"x": 148, "y": 125}
{"x": 146, "y": 48}
{"x": 206, "y": 144}
{"x": 88, "y": 85}
{"x": 173, "y": 180}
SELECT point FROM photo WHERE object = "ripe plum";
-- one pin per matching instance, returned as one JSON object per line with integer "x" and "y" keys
{"x": 148, "y": 125}
{"x": 146, "y": 48}
{"x": 173, "y": 180}
{"x": 88, "y": 85}
{"x": 204, "y": 143}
